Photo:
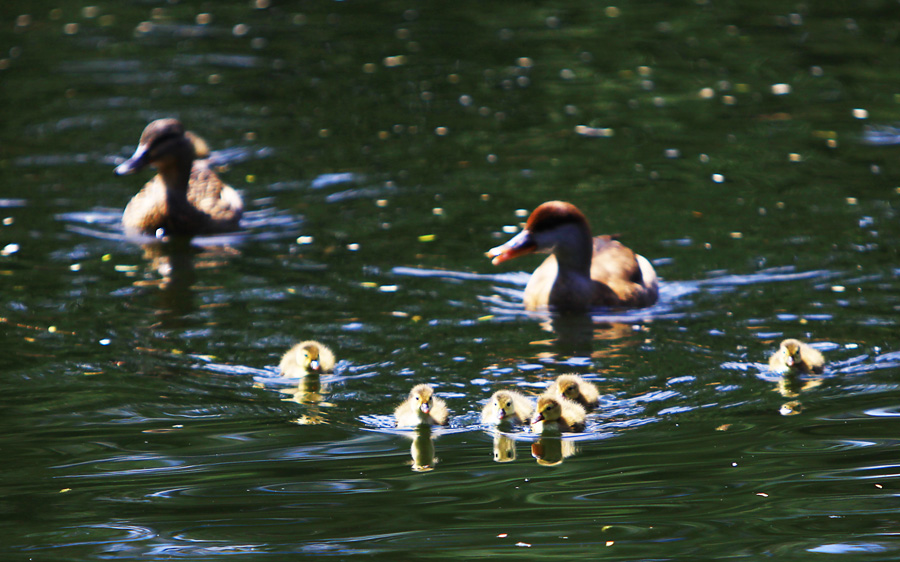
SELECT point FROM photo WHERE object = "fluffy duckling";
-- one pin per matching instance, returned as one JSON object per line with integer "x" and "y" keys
{"x": 306, "y": 358}
{"x": 581, "y": 271}
{"x": 796, "y": 356}
{"x": 507, "y": 406}
{"x": 559, "y": 412}
{"x": 186, "y": 196}
{"x": 421, "y": 407}
{"x": 575, "y": 389}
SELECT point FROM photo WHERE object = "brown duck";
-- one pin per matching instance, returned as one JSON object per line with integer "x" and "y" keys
{"x": 186, "y": 196}
{"x": 581, "y": 271}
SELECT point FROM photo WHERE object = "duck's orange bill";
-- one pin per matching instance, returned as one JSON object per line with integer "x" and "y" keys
{"x": 519, "y": 245}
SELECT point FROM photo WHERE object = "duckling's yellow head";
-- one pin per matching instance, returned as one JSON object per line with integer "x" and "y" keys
{"x": 308, "y": 358}
{"x": 163, "y": 142}
{"x": 548, "y": 409}
{"x": 503, "y": 404}
{"x": 790, "y": 349}
{"x": 569, "y": 389}
{"x": 422, "y": 397}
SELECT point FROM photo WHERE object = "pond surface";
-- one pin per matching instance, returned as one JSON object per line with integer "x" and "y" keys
{"x": 746, "y": 149}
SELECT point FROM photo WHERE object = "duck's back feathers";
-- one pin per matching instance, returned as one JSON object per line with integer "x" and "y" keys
{"x": 576, "y": 389}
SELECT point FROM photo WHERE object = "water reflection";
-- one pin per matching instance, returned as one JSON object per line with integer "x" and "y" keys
{"x": 422, "y": 450}
{"x": 504, "y": 447}
{"x": 310, "y": 392}
{"x": 551, "y": 448}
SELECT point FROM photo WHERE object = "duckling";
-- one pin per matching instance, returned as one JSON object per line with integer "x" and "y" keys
{"x": 575, "y": 389}
{"x": 559, "y": 412}
{"x": 186, "y": 196}
{"x": 796, "y": 356}
{"x": 306, "y": 358}
{"x": 507, "y": 406}
{"x": 581, "y": 271}
{"x": 421, "y": 407}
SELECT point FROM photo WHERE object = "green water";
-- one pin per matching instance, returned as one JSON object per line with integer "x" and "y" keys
{"x": 381, "y": 148}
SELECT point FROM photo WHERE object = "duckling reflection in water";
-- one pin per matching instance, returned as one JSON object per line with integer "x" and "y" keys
{"x": 576, "y": 389}
{"x": 559, "y": 413}
{"x": 306, "y": 358}
{"x": 504, "y": 447}
{"x": 581, "y": 271}
{"x": 186, "y": 196}
{"x": 421, "y": 407}
{"x": 422, "y": 450}
{"x": 551, "y": 450}
{"x": 507, "y": 407}
{"x": 798, "y": 357}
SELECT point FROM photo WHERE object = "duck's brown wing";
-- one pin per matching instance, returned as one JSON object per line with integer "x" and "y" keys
{"x": 213, "y": 197}
{"x": 617, "y": 274}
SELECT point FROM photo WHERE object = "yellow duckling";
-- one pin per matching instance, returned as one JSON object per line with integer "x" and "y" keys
{"x": 559, "y": 412}
{"x": 421, "y": 407}
{"x": 796, "y": 356}
{"x": 507, "y": 406}
{"x": 575, "y": 389}
{"x": 306, "y": 358}
{"x": 185, "y": 196}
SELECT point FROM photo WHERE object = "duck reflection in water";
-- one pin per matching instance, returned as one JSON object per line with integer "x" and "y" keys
{"x": 795, "y": 361}
{"x": 310, "y": 392}
{"x": 185, "y": 197}
{"x": 172, "y": 267}
{"x": 422, "y": 450}
{"x": 581, "y": 271}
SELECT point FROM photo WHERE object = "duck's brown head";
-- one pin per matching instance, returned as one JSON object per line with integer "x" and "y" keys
{"x": 422, "y": 397}
{"x": 548, "y": 224}
{"x": 163, "y": 143}
{"x": 548, "y": 409}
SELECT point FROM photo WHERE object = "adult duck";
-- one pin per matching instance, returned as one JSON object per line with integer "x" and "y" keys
{"x": 581, "y": 271}
{"x": 186, "y": 196}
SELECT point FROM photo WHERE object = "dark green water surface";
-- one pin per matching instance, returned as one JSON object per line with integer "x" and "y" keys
{"x": 381, "y": 148}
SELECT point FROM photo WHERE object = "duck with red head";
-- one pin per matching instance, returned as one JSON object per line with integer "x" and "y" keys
{"x": 581, "y": 271}
{"x": 186, "y": 196}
